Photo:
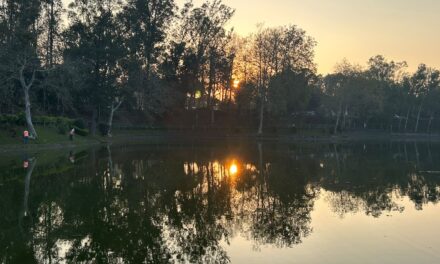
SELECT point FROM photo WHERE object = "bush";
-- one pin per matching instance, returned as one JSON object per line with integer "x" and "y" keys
{"x": 79, "y": 123}
{"x": 64, "y": 121}
{"x": 45, "y": 120}
{"x": 81, "y": 132}
{"x": 11, "y": 120}
{"x": 61, "y": 123}
{"x": 21, "y": 119}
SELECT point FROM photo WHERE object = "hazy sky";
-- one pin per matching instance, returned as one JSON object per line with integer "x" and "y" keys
{"x": 353, "y": 29}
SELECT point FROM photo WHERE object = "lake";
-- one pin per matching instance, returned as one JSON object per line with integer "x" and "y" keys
{"x": 223, "y": 202}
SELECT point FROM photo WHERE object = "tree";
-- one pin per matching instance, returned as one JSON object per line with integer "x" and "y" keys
{"x": 26, "y": 84}
{"x": 276, "y": 50}
{"x": 144, "y": 24}
{"x": 379, "y": 68}
{"x": 20, "y": 62}
{"x": 352, "y": 95}
{"x": 290, "y": 92}
{"x": 50, "y": 39}
{"x": 94, "y": 43}
{"x": 204, "y": 37}
{"x": 423, "y": 82}
{"x": 391, "y": 76}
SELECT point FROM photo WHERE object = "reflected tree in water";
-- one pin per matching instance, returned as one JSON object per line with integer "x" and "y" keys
{"x": 180, "y": 204}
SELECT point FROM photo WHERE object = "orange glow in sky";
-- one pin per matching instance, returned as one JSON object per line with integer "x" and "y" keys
{"x": 352, "y": 29}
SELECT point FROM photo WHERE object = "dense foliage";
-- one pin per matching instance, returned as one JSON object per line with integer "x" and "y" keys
{"x": 147, "y": 62}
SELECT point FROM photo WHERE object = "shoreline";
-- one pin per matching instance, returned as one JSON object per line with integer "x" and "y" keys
{"x": 163, "y": 137}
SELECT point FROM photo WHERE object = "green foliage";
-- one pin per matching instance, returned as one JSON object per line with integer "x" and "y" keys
{"x": 172, "y": 60}
{"x": 81, "y": 131}
{"x": 12, "y": 120}
{"x": 53, "y": 121}
{"x": 62, "y": 124}
{"x": 290, "y": 92}
{"x": 79, "y": 123}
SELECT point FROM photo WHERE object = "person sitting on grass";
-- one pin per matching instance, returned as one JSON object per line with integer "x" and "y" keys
{"x": 71, "y": 134}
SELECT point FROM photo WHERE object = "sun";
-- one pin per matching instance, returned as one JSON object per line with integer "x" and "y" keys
{"x": 233, "y": 169}
{"x": 236, "y": 84}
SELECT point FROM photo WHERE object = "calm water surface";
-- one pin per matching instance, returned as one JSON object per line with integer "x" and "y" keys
{"x": 223, "y": 203}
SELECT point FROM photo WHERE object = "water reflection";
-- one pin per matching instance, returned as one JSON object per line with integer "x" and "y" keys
{"x": 233, "y": 169}
{"x": 162, "y": 204}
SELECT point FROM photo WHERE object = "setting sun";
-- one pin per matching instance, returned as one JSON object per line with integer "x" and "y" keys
{"x": 236, "y": 84}
{"x": 233, "y": 169}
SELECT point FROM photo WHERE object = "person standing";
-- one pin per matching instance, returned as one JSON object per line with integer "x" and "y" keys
{"x": 26, "y": 137}
{"x": 71, "y": 134}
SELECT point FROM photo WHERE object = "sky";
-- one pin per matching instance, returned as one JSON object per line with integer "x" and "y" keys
{"x": 401, "y": 30}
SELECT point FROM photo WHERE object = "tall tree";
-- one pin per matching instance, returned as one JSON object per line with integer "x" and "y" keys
{"x": 94, "y": 44}
{"x": 204, "y": 36}
{"x": 423, "y": 82}
{"x": 145, "y": 23}
{"x": 276, "y": 50}
{"x": 20, "y": 62}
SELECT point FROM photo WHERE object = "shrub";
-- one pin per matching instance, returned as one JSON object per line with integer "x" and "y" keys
{"x": 62, "y": 124}
{"x": 18, "y": 119}
{"x": 79, "y": 123}
{"x": 45, "y": 120}
{"x": 21, "y": 119}
{"x": 81, "y": 131}
{"x": 64, "y": 121}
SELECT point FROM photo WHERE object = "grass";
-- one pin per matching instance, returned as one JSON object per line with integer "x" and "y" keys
{"x": 46, "y": 135}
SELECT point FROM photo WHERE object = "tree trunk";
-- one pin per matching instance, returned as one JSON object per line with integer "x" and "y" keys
{"x": 418, "y": 118}
{"x": 27, "y": 101}
{"x": 27, "y": 184}
{"x": 337, "y": 119}
{"x": 51, "y": 33}
{"x": 406, "y": 121}
{"x": 260, "y": 127}
{"x": 28, "y": 114}
{"x": 211, "y": 81}
{"x": 431, "y": 117}
{"x": 400, "y": 123}
{"x": 344, "y": 119}
{"x": 113, "y": 109}
{"x": 110, "y": 122}
{"x": 110, "y": 161}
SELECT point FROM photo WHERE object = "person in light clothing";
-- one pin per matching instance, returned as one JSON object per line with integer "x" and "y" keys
{"x": 72, "y": 133}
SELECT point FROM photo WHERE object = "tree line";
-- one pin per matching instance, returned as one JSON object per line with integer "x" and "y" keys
{"x": 156, "y": 60}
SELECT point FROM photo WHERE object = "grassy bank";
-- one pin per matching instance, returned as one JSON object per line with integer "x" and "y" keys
{"x": 50, "y": 138}
{"x": 11, "y": 138}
